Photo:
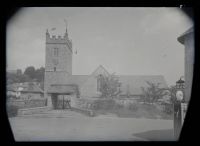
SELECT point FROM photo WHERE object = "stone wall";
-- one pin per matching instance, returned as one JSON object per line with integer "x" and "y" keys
{"x": 35, "y": 110}
{"x": 27, "y": 103}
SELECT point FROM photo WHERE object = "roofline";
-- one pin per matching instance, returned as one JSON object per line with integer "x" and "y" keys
{"x": 99, "y": 67}
{"x": 181, "y": 38}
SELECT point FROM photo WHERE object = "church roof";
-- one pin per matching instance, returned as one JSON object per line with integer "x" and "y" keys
{"x": 77, "y": 79}
{"x": 62, "y": 88}
{"x": 81, "y": 79}
{"x": 100, "y": 70}
{"x": 133, "y": 83}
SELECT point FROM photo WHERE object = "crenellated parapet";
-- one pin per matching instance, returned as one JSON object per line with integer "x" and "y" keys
{"x": 53, "y": 39}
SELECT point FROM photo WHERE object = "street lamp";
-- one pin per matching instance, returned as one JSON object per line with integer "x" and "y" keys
{"x": 178, "y": 116}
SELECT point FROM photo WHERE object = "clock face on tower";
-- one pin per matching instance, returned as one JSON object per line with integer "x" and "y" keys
{"x": 55, "y": 61}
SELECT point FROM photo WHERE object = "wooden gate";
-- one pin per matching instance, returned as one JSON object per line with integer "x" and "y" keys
{"x": 61, "y": 101}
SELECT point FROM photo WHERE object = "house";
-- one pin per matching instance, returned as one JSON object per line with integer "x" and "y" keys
{"x": 27, "y": 90}
{"x": 60, "y": 83}
{"x": 187, "y": 39}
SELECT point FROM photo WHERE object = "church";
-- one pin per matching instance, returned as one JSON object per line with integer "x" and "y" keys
{"x": 60, "y": 83}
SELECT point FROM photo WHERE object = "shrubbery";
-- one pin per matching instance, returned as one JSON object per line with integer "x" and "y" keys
{"x": 12, "y": 110}
{"x": 133, "y": 107}
{"x": 107, "y": 104}
{"x": 168, "y": 108}
{"x": 136, "y": 110}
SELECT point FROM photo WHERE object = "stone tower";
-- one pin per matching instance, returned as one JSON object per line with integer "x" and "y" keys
{"x": 58, "y": 61}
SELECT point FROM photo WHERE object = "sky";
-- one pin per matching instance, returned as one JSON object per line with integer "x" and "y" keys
{"x": 127, "y": 41}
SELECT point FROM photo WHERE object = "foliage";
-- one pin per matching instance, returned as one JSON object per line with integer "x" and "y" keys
{"x": 134, "y": 110}
{"x": 19, "y": 72}
{"x": 109, "y": 86}
{"x": 39, "y": 74}
{"x": 30, "y": 71}
{"x": 12, "y": 110}
{"x": 133, "y": 107}
{"x": 30, "y": 74}
{"x": 172, "y": 91}
{"x": 107, "y": 104}
{"x": 77, "y": 90}
{"x": 168, "y": 108}
{"x": 152, "y": 93}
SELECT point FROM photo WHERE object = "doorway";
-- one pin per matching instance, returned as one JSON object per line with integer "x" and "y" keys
{"x": 61, "y": 102}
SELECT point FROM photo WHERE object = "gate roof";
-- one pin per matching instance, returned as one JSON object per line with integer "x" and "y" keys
{"x": 62, "y": 89}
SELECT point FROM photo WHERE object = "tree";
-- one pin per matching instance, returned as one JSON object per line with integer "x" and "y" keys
{"x": 12, "y": 78}
{"x": 152, "y": 93}
{"x": 172, "y": 92}
{"x": 109, "y": 86}
{"x": 30, "y": 71}
{"x": 39, "y": 74}
{"x": 24, "y": 78}
{"x": 19, "y": 72}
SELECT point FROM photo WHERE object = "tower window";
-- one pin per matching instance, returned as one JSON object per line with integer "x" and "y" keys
{"x": 54, "y": 68}
{"x": 56, "y": 52}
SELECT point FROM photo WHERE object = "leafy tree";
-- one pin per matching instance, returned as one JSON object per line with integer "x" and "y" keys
{"x": 24, "y": 78}
{"x": 39, "y": 74}
{"x": 19, "y": 72}
{"x": 30, "y": 74}
{"x": 30, "y": 71}
{"x": 109, "y": 86}
{"x": 152, "y": 93}
{"x": 172, "y": 93}
{"x": 12, "y": 78}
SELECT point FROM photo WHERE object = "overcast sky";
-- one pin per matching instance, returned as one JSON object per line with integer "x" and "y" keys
{"x": 128, "y": 41}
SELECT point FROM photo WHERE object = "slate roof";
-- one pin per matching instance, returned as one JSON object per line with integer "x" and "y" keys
{"x": 26, "y": 87}
{"x": 100, "y": 70}
{"x": 77, "y": 79}
{"x": 133, "y": 83}
{"x": 32, "y": 88}
{"x": 62, "y": 88}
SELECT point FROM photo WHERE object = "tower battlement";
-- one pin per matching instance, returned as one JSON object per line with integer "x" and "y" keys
{"x": 58, "y": 39}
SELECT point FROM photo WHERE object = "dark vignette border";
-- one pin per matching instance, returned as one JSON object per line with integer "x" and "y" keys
{"x": 189, "y": 131}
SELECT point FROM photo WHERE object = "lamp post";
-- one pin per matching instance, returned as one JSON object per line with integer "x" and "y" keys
{"x": 178, "y": 114}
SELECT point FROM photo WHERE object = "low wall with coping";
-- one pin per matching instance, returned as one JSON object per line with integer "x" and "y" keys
{"x": 33, "y": 110}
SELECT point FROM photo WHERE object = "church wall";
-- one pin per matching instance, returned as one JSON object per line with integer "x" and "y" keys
{"x": 89, "y": 88}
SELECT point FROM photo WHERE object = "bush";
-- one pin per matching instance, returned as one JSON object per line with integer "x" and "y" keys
{"x": 133, "y": 107}
{"x": 106, "y": 104}
{"x": 12, "y": 110}
{"x": 168, "y": 108}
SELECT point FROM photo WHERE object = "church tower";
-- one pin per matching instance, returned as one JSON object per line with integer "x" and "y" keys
{"x": 58, "y": 60}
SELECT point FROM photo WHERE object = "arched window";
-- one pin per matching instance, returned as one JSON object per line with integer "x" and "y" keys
{"x": 99, "y": 80}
